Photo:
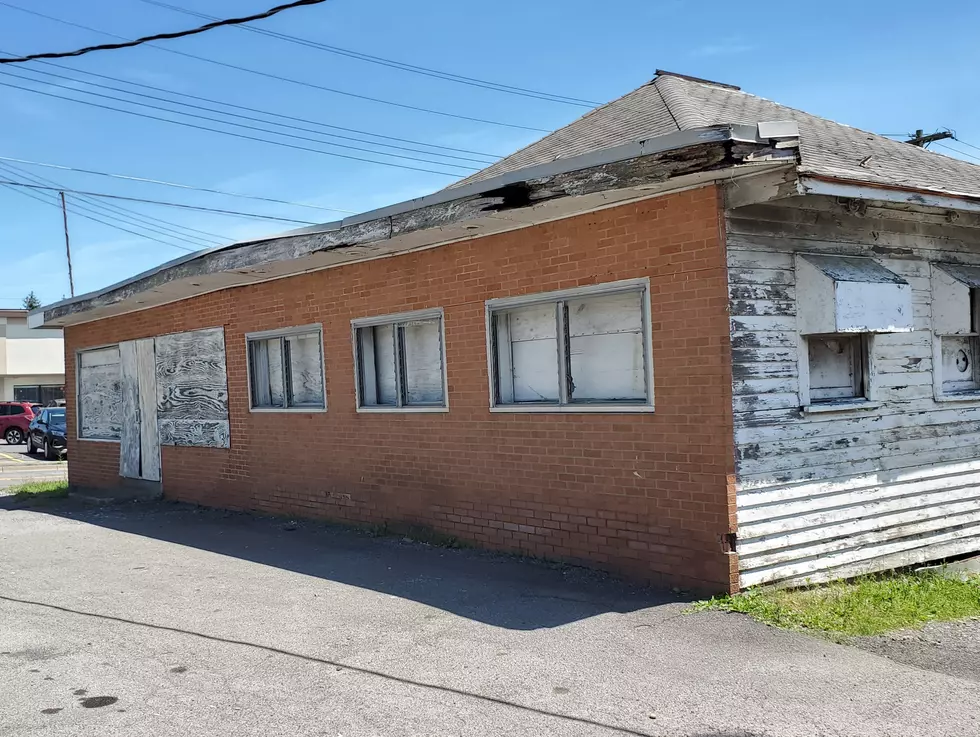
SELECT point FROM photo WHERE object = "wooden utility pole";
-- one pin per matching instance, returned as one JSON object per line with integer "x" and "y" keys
{"x": 64, "y": 217}
{"x": 922, "y": 141}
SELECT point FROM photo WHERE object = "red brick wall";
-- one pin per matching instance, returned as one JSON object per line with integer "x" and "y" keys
{"x": 647, "y": 495}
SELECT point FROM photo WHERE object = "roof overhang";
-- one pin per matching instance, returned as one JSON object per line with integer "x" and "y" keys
{"x": 814, "y": 184}
{"x": 514, "y": 200}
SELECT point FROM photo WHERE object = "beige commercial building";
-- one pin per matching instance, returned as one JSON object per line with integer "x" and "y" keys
{"x": 32, "y": 362}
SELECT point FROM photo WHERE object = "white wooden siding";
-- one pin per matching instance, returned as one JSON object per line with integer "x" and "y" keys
{"x": 828, "y": 495}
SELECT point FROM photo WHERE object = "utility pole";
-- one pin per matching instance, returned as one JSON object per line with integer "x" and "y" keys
{"x": 64, "y": 217}
{"x": 922, "y": 141}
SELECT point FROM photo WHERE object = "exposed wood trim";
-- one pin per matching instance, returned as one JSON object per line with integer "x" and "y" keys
{"x": 816, "y": 185}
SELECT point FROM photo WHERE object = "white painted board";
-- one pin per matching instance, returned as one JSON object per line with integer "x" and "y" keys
{"x": 149, "y": 438}
{"x": 129, "y": 435}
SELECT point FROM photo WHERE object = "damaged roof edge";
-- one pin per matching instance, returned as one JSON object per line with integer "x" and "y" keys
{"x": 673, "y": 141}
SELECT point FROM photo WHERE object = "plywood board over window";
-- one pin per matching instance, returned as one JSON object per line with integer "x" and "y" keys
{"x": 99, "y": 394}
{"x": 956, "y": 331}
{"x": 192, "y": 389}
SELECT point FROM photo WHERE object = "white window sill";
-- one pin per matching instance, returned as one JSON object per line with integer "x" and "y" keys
{"x": 301, "y": 410}
{"x": 400, "y": 410}
{"x": 844, "y": 406}
{"x": 973, "y": 396}
{"x": 98, "y": 440}
{"x": 575, "y": 408}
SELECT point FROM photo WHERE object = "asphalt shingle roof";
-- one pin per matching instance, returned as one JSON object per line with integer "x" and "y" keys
{"x": 670, "y": 104}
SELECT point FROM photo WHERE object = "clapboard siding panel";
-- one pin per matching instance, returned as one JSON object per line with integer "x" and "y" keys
{"x": 824, "y": 495}
{"x": 192, "y": 388}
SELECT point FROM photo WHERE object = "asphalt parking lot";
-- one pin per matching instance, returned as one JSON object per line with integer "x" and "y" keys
{"x": 163, "y": 619}
{"x": 17, "y": 467}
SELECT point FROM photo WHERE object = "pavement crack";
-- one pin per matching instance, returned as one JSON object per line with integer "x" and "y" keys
{"x": 340, "y": 666}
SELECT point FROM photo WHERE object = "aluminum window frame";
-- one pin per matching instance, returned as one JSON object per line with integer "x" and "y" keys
{"x": 394, "y": 319}
{"x": 503, "y": 304}
{"x": 282, "y": 334}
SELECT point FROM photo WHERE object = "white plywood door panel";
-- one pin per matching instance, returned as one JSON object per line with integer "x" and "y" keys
{"x": 149, "y": 432}
{"x": 139, "y": 442}
{"x": 129, "y": 435}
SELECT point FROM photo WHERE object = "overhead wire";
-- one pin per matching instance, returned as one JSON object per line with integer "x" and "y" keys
{"x": 164, "y": 183}
{"x": 74, "y": 211}
{"x": 234, "y": 115}
{"x": 269, "y": 113}
{"x": 281, "y": 78}
{"x": 426, "y": 71}
{"x": 185, "y": 206}
{"x": 217, "y": 23}
{"x": 227, "y": 133}
{"x": 959, "y": 151}
{"x": 110, "y": 209}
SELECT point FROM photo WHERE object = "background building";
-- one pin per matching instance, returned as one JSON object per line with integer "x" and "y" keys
{"x": 32, "y": 362}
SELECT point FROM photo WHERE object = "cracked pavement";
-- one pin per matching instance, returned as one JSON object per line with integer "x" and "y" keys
{"x": 162, "y": 619}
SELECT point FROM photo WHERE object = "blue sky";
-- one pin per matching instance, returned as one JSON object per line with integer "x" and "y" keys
{"x": 882, "y": 66}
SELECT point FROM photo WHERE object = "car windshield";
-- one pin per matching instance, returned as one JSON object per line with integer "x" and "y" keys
{"x": 56, "y": 416}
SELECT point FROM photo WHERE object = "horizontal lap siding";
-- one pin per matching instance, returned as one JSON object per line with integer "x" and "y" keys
{"x": 642, "y": 494}
{"x": 831, "y": 495}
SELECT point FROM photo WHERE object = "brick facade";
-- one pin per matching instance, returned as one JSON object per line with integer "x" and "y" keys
{"x": 646, "y": 495}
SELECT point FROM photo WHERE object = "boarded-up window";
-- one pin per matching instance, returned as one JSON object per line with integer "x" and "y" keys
{"x": 583, "y": 348}
{"x": 286, "y": 370}
{"x": 99, "y": 394}
{"x": 400, "y": 361}
{"x": 837, "y": 367}
{"x": 956, "y": 321}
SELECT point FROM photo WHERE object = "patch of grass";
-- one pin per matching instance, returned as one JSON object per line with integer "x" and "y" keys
{"x": 869, "y": 605}
{"x": 40, "y": 490}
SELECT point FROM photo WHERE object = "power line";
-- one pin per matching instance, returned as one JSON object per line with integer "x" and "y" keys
{"x": 163, "y": 36}
{"x": 269, "y": 113}
{"x": 960, "y": 140}
{"x": 171, "y": 184}
{"x": 139, "y": 219}
{"x": 280, "y": 78}
{"x": 959, "y": 151}
{"x": 224, "y": 132}
{"x": 84, "y": 204}
{"x": 159, "y": 202}
{"x": 97, "y": 220}
{"x": 438, "y": 74}
{"x": 234, "y": 115}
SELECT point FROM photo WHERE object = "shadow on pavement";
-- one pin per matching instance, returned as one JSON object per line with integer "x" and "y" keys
{"x": 497, "y": 589}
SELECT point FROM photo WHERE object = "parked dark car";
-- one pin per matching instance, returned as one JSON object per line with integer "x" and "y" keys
{"x": 14, "y": 419}
{"x": 47, "y": 434}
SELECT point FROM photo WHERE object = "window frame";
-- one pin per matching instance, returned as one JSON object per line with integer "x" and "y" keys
{"x": 940, "y": 392}
{"x": 283, "y": 333}
{"x": 78, "y": 402}
{"x": 435, "y": 313}
{"x": 866, "y": 400}
{"x": 503, "y": 304}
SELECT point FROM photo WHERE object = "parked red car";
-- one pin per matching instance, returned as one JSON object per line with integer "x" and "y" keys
{"x": 14, "y": 419}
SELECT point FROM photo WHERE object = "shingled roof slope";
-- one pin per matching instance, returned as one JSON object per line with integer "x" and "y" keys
{"x": 672, "y": 103}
